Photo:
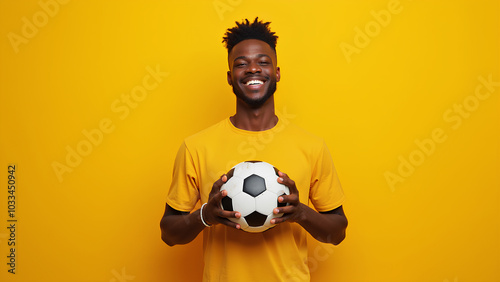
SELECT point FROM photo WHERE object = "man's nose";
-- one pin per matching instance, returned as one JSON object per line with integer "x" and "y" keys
{"x": 254, "y": 68}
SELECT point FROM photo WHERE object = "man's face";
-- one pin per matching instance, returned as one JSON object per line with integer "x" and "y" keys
{"x": 253, "y": 72}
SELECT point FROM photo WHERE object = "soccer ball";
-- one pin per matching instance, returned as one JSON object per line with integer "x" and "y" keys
{"x": 253, "y": 190}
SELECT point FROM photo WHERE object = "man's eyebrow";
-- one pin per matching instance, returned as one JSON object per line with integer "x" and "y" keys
{"x": 258, "y": 56}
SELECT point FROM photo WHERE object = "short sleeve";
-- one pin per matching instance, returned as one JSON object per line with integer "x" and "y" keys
{"x": 184, "y": 192}
{"x": 326, "y": 191}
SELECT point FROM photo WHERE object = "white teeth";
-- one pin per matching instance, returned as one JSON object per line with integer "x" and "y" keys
{"x": 254, "y": 82}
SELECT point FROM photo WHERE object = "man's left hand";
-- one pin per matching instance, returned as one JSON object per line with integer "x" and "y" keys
{"x": 294, "y": 211}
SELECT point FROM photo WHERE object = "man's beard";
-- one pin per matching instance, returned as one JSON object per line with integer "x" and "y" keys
{"x": 255, "y": 103}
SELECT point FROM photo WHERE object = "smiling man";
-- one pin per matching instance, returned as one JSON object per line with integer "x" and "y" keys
{"x": 280, "y": 253}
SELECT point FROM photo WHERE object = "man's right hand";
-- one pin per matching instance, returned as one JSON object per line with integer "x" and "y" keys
{"x": 212, "y": 211}
{"x": 178, "y": 227}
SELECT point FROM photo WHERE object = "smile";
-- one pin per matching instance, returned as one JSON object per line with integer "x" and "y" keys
{"x": 254, "y": 82}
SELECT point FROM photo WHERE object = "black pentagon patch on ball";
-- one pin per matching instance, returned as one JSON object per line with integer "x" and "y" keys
{"x": 227, "y": 203}
{"x": 254, "y": 185}
{"x": 256, "y": 219}
{"x": 281, "y": 204}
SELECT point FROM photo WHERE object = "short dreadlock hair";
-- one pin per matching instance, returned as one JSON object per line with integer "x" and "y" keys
{"x": 246, "y": 30}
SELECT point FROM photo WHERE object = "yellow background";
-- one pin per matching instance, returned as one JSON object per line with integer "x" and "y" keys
{"x": 101, "y": 222}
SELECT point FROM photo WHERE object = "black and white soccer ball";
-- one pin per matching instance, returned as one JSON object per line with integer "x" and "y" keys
{"x": 253, "y": 190}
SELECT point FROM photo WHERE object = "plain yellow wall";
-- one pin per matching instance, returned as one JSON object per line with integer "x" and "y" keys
{"x": 96, "y": 97}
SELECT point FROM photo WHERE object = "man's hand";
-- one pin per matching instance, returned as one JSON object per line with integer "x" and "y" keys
{"x": 294, "y": 211}
{"x": 327, "y": 227}
{"x": 178, "y": 227}
{"x": 213, "y": 213}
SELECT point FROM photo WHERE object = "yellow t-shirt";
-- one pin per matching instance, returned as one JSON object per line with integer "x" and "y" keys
{"x": 279, "y": 253}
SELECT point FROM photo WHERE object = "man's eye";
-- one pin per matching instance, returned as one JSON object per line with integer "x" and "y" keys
{"x": 240, "y": 64}
{"x": 264, "y": 63}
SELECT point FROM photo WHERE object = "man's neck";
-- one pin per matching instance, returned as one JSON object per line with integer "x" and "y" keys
{"x": 255, "y": 119}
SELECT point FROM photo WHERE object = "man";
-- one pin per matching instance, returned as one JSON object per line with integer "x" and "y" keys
{"x": 280, "y": 253}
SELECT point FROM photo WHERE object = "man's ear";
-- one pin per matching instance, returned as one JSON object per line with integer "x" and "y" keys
{"x": 229, "y": 81}
{"x": 278, "y": 74}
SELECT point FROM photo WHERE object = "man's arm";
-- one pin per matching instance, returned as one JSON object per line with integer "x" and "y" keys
{"x": 179, "y": 227}
{"x": 326, "y": 227}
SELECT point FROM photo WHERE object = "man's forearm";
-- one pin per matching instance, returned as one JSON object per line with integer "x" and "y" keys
{"x": 324, "y": 227}
{"x": 181, "y": 228}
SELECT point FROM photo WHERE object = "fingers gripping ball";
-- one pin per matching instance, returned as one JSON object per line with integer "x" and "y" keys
{"x": 253, "y": 190}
